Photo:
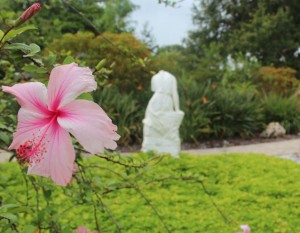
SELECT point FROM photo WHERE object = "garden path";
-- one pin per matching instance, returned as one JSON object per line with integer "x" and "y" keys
{"x": 289, "y": 149}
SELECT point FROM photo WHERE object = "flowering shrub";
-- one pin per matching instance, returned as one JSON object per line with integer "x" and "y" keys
{"x": 124, "y": 57}
{"x": 281, "y": 81}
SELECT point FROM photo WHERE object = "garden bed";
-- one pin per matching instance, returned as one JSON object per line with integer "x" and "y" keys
{"x": 252, "y": 189}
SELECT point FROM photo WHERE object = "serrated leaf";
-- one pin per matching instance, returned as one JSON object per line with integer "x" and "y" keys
{"x": 68, "y": 60}
{"x": 13, "y": 33}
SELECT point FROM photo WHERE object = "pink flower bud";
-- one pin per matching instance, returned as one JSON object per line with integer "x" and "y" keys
{"x": 28, "y": 13}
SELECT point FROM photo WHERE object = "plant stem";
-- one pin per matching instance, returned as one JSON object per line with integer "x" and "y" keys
{"x": 5, "y": 33}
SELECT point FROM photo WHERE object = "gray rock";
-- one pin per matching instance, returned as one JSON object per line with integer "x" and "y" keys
{"x": 273, "y": 130}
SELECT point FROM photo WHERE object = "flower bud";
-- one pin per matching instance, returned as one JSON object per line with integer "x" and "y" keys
{"x": 27, "y": 14}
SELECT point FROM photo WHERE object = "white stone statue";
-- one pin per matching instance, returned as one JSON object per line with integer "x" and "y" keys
{"x": 163, "y": 116}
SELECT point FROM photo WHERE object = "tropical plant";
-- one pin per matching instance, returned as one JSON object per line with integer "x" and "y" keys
{"x": 125, "y": 111}
{"x": 236, "y": 113}
{"x": 285, "y": 110}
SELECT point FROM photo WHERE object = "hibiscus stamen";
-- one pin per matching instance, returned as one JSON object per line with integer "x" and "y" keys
{"x": 34, "y": 150}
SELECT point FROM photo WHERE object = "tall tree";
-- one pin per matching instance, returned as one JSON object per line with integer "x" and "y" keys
{"x": 268, "y": 29}
{"x": 70, "y": 16}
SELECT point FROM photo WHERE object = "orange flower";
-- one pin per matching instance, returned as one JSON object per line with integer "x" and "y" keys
{"x": 140, "y": 87}
{"x": 204, "y": 100}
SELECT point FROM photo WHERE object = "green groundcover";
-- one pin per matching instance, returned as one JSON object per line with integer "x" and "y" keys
{"x": 254, "y": 189}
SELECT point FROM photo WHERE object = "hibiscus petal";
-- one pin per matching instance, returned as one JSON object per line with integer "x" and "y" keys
{"x": 82, "y": 229}
{"x": 30, "y": 124}
{"x": 90, "y": 125}
{"x": 58, "y": 160}
{"x": 67, "y": 82}
{"x": 31, "y": 95}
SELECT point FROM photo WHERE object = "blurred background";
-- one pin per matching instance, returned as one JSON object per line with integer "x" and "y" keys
{"x": 236, "y": 62}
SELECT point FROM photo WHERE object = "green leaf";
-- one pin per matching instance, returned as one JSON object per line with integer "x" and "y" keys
{"x": 34, "y": 48}
{"x": 21, "y": 209}
{"x": 34, "y": 69}
{"x": 4, "y": 137}
{"x": 29, "y": 229}
{"x": 30, "y": 50}
{"x": 13, "y": 33}
{"x": 47, "y": 194}
{"x": 68, "y": 60}
{"x": 8, "y": 206}
{"x": 50, "y": 60}
{"x": 9, "y": 216}
{"x": 17, "y": 46}
{"x": 86, "y": 96}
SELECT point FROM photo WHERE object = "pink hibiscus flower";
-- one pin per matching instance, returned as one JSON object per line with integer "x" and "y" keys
{"x": 46, "y": 118}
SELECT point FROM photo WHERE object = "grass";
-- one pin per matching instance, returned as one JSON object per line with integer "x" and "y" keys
{"x": 253, "y": 189}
